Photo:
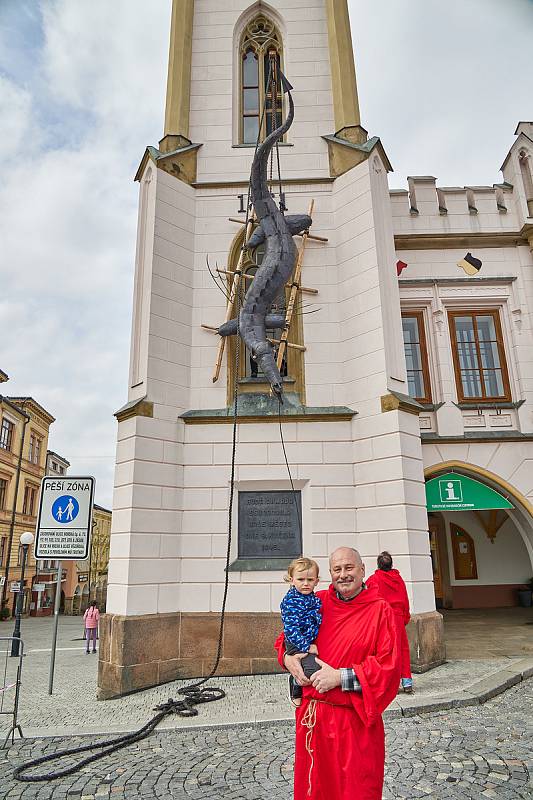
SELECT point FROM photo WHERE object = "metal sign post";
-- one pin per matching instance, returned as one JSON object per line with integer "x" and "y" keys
{"x": 63, "y": 532}
{"x": 57, "y": 605}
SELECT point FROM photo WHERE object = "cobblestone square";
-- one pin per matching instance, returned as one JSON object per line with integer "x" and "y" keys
{"x": 474, "y": 752}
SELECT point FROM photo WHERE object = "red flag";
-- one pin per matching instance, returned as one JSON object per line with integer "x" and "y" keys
{"x": 400, "y": 265}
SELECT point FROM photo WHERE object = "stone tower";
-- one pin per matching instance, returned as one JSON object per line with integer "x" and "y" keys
{"x": 351, "y": 432}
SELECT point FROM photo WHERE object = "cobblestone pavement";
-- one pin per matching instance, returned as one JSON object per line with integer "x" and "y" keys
{"x": 472, "y": 753}
{"x": 72, "y": 709}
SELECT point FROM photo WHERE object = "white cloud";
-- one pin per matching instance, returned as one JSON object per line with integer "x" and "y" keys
{"x": 15, "y": 109}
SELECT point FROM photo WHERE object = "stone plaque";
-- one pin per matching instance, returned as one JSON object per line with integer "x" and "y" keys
{"x": 269, "y": 526}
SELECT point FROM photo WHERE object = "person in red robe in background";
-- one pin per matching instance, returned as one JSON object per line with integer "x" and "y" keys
{"x": 391, "y": 587}
{"x": 340, "y": 738}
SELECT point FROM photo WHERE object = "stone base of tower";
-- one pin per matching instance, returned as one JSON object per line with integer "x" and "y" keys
{"x": 426, "y": 641}
{"x": 141, "y": 651}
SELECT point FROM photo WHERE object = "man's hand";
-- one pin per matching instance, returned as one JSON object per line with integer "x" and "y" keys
{"x": 292, "y": 663}
{"x": 313, "y": 649}
{"x": 326, "y": 677}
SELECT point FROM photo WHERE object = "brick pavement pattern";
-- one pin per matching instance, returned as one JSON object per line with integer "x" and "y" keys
{"x": 471, "y": 753}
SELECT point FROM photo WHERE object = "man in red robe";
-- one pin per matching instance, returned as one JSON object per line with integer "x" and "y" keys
{"x": 340, "y": 739}
{"x": 391, "y": 587}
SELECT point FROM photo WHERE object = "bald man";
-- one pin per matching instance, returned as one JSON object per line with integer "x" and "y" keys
{"x": 340, "y": 739}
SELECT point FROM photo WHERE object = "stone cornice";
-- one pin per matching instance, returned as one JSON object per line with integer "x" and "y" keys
{"x": 396, "y": 401}
{"x": 261, "y": 407}
{"x": 344, "y": 155}
{"x": 445, "y": 241}
{"x": 31, "y": 406}
{"x": 181, "y": 162}
{"x": 135, "y": 408}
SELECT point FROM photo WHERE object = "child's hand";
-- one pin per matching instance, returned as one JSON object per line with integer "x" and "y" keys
{"x": 313, "y": 649}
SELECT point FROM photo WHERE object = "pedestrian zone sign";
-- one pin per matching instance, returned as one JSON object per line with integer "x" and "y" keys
{"x": 64, "y": 522}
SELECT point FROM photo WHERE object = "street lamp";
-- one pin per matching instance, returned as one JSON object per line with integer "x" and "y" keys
{"x": 26, "y": 540}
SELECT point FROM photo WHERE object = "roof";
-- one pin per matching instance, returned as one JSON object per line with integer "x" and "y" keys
{"x": 60, "y": 458}
{"x": 101, "y": 508}
{"x": 3, "y": 376}
{"x": 29, "y": 404}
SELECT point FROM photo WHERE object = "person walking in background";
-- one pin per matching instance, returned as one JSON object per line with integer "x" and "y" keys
{"x": 91, "y": 619}
{"x": 391, "y": 588}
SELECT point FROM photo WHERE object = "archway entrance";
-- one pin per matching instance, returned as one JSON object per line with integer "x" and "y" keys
{"x": 481, "y": 538}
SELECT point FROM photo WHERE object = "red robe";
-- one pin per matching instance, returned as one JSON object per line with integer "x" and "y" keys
{"x": 391, "y": 587}
{"x": 340, "y": 739}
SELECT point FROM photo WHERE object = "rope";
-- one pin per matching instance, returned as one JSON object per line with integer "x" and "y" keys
{"x": 309, "y": 721}
{"x": 289, "y": 470}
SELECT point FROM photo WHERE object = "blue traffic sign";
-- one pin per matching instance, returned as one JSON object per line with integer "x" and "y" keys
{"x": 65, "y": 509}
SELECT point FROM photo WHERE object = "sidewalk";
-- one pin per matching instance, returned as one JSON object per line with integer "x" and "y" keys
{"x": 73, "y": 709}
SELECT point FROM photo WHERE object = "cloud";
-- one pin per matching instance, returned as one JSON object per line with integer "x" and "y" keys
{"x": 15, "y": 110}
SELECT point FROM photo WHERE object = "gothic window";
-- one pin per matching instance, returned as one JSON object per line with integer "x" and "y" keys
{"x": 259, "y": 40}
{"x": 479, "y": 356}
{"x": 416, "y": 356}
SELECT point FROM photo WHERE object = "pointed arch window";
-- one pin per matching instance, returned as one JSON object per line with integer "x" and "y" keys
{"x": 259, "y": 39}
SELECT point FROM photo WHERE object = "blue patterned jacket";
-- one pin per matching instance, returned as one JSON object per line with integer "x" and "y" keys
{"x": 301, "y": 617}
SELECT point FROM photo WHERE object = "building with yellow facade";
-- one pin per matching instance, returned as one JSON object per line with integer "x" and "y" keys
{"x": 24, "y": 429}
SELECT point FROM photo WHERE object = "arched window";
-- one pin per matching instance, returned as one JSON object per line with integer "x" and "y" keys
{"x": 260, "y": 38}
{"x": 292, "y": 368}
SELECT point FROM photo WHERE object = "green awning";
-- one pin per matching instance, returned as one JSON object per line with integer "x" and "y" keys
{"x": 454, "y": 492}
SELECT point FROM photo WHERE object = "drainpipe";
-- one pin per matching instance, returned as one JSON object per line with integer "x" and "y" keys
{"x": 15, "y": 499}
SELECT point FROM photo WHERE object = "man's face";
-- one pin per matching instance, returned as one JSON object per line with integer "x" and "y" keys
{"x": 304, "y": 580}
{"x": 347, "y": 572}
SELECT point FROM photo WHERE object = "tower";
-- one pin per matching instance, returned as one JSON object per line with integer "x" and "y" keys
{"x": 351, "y": 431}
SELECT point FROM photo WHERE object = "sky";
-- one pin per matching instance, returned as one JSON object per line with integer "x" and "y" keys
{"x": 82, "y": 88}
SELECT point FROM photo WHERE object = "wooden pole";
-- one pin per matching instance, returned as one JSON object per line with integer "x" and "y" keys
{"x": 294, "y": 293}
{"x": 231, "y": 300}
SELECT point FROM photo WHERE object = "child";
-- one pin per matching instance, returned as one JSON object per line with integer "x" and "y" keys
{"x": 91, "y": 619}
{"x": 301, "y": 617}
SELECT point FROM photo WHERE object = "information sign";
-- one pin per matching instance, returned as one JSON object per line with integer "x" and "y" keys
{"x": 64, "y": 522}
{"x": 38, "y": 587}
{"x": 15, "y": 586}
{"x": 455, "y": 492}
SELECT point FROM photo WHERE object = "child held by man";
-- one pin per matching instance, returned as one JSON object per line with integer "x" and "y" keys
{"x": 301, "y": 616}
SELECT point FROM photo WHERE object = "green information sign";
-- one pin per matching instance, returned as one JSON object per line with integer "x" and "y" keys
{"x": 453, "y": 492}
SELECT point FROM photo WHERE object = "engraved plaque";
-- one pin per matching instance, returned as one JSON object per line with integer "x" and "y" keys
{"x": 269, "y": 526}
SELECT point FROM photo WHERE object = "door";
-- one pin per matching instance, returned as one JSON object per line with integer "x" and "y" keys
{"x": 436, "y": 561}
{"x": 464, "y": 554}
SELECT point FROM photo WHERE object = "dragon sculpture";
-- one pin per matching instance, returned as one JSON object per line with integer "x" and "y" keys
{"x": 276, "y": 231}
